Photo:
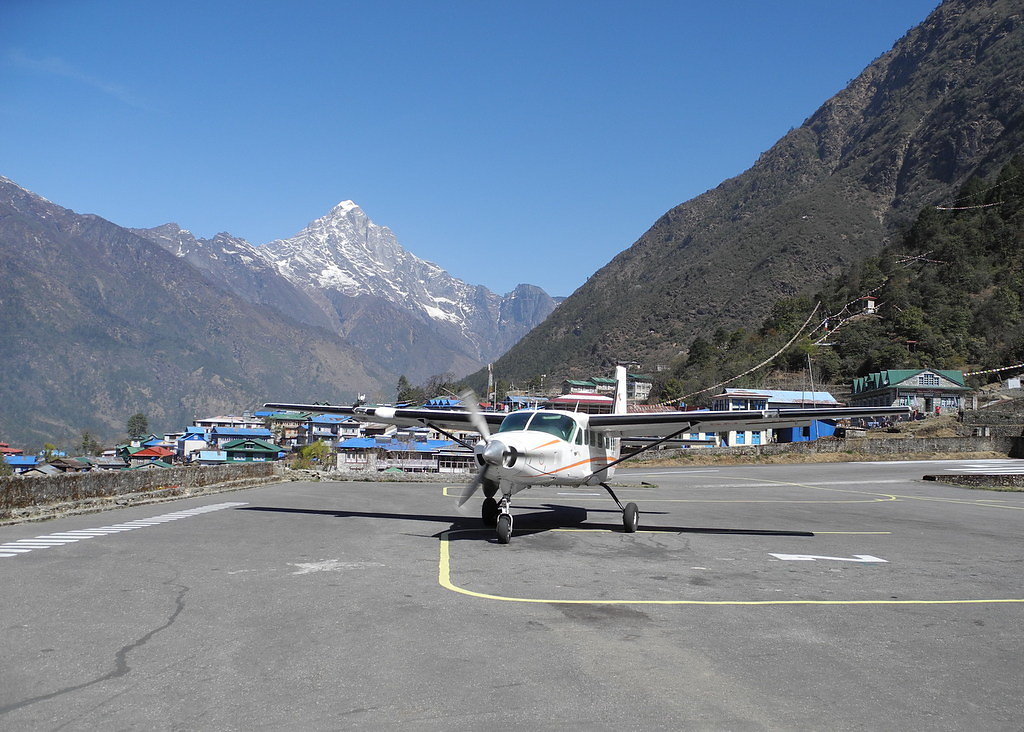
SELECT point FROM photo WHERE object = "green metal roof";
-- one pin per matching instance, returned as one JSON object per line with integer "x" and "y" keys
{"x": 286, "y": 416}
{"x": 153, "y": 464}
{"x": 258, "y": 445}
{"x": 892, "y": 377}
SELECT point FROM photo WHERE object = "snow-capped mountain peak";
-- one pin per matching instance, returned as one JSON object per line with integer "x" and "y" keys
{"x": 347, "y": 254}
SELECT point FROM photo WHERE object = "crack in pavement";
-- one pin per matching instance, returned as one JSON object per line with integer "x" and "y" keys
{"x": 121, "y": 667}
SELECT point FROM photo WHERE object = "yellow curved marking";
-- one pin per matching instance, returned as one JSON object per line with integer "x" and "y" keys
{"x": 444, "y": 579}
{"x": 984, "y": 503}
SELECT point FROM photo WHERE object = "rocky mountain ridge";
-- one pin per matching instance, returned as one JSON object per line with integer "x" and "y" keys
{"x": 100, "y": 323}
{"x": 348, "y": 274}
{"x": 944, "y": 104}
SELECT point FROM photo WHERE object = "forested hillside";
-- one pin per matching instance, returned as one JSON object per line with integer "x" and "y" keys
{"x": 940, "y": 107}
{"x": 948, "y": 295}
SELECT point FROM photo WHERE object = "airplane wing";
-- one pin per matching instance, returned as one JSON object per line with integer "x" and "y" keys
{"x": 660, "y": 424}
{"x": 450, "y": 419}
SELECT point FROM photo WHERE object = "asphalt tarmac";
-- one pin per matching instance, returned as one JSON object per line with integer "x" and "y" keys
{"x": 842, "y": 597}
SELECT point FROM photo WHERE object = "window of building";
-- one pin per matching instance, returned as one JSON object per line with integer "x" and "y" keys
{"x": 928, "y": 380}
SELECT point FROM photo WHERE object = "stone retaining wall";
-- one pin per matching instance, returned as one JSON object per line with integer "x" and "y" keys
{"x": 1011, "y": 446}
{"x": 975, "y": 481}
{"x": 28, "y": 492}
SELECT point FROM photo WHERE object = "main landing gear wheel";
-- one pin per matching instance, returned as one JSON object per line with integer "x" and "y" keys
{"x": 504, "y": 528}
{"x": 489, "y": 512}
{"x": 630, "y": 518}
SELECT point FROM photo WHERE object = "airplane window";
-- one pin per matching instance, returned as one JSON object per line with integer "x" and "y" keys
{"x": 515, "y": 421}
{"x": 558, "y": 425}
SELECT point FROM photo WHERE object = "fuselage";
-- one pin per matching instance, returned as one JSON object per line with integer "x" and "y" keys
{"x": 547, "y": 447}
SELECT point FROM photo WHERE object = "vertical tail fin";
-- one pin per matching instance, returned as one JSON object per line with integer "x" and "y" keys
{"x": 620, "y": 389}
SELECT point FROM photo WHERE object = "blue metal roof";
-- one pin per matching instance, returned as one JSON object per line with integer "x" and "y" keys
{"x": 241, "y": 431}
{"x": 330, "y": 418}
{"x": 21, "y": 460}
{"x": 365, "y": 443}
{"x": 442, "y": 403}
{"x": 782, "y": 395}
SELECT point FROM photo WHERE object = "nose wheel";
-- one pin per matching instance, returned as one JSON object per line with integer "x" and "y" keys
{"x": 504, "y": 528}
{"x": 503, "y": 520}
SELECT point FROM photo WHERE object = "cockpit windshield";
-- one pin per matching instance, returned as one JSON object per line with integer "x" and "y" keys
{"x": 515, "y": 422}
{"x": 558, "y": 425}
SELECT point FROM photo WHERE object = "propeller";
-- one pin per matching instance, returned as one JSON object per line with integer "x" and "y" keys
{"x": 480, "y": 425}
{"x": 475, "y": 417}
{"x": 494, "y": 453}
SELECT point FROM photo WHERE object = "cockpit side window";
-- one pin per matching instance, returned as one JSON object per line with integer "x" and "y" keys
{"x": 558, "y": 425}
{"x": 515, "y": 422}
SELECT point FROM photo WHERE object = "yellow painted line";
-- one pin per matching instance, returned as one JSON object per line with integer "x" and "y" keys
{"x": 444, "y": 579}
{"x": 854, "y": 533}
{"x": 984, "y": 503}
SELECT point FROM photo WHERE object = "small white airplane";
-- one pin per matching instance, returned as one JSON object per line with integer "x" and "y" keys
{"x": 554, "y": 447}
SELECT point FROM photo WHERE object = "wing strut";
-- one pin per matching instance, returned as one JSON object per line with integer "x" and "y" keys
{"x": 632, "y": 455}
{"x": 448, "y": 434}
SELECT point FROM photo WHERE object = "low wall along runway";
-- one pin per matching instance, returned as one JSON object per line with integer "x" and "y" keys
{"x": 40, "y": 497}
{"x": 857, "y": 448}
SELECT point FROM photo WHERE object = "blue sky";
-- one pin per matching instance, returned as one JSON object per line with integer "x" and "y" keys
{"x": 508, "y": 142}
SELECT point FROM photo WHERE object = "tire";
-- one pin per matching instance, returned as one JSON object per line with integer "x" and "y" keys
{"x": 504, "y": 528}
{"x": 630, "y": 518}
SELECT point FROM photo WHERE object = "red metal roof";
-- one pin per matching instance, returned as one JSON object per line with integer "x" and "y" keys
{"x": 155, "y": 451}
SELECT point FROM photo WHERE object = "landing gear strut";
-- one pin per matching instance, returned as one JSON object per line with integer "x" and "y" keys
{"x": 630, "y": 513}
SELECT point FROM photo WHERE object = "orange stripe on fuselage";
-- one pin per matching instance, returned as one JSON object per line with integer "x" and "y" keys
{"x": 547, "y": 444}
{"x": 581, "y": 462}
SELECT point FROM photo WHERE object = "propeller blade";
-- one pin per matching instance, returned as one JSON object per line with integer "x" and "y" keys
{"x": 479, "y": 423}
{"x": 472, "y": 487}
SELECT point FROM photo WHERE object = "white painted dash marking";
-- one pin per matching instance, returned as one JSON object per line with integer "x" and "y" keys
{"x": 47, "y": 541}
{"x": 864, "y": 558}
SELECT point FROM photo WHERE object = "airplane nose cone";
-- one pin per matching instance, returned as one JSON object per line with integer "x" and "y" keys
{"x": 493, "y": 453}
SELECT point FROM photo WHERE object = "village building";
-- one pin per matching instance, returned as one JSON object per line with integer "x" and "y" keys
{"x": 409, "y": 450}
{"x": 638, "y": 388}
{"x": 288, "y": 428}
{"x": 153, "y": 465}
{"x": 251, "y": 450}
{"x": 330, "y": 428}
{"x": 191, "y": 442}
{"x": 151, "y": 454}
{"x": 582, "y": 386}
{"x": 926, "y": 391}
{"x": 513, "y": 402}
{"x": 246, "y": 421}
{"x": 219, "y": 436}
{"x": 735, "y": 399}
{"x": 20, "y": 463}
{"x": 589, "y": 403}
